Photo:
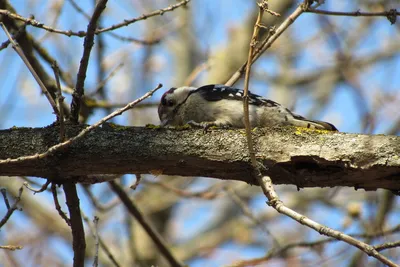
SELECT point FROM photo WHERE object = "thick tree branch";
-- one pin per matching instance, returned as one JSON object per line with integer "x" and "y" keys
{"x": 299, "y": 156}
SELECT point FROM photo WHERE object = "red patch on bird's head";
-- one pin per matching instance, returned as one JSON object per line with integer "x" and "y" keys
{"x": 170, "y": 91}
{"x": 163, "y": 101}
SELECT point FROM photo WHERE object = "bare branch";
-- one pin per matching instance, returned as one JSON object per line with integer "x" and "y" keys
{"x": 196, "y": 71}
{"x": 265, "y": 181}
{"x": 263, "y": 5}
{"x": 40, "y": 190}
{"x": 79, "y": 9}
{"x": 266, "y": 44}
{"x": 81, "y": 76}
{"x": 92, "y": 103}
{"x": 35, "y": 23}
{"x": 211, "y": 192}
{"x": 138, "y": 179}
{"x": 102, "y": 243}
{"x": 101, "y": 84}
{"x": 15, "y": 37}
{"x": 95, "y": 202}
{"x": 387, "y": 245}
{"x": 84, "y": 132}
{"x": 96, "y": 237}
{"x": 277, "y": 204}
{"x": 60, "y": 100}
{"x": 151, "y": 231}
{"x": 145, "y": 16}
{"x": 246, "y": 211}
{"x": 10, "y": 209}
{"x": 6, "y": 202}
{"x": 78, "y": 232}
{"x": 57, "y": 204}
{"x": 11, "y": 247}
{"x": 312, "y": 244}
{"x": 391, "y": 15}
{"x": 20, "y": 52}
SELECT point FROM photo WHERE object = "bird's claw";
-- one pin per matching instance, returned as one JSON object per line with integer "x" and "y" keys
{"x": 207, "y": 125}
{"x": 204, "y": 125}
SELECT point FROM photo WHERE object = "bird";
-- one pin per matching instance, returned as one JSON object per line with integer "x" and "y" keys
{"x": 222, "y": 106}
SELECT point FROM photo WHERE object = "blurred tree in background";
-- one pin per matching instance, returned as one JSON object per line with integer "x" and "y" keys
{"x": 341, "y": 69}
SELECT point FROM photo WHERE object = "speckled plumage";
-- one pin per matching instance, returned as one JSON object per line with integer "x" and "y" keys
{"x": 222, "y": 106}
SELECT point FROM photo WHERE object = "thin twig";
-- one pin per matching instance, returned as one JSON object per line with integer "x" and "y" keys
{"x": 78, "y": 232}
{"x": 4, "y": 193}
{"x": 209, "y": 193}
{"x": 40, "y": 190}
{"x": 96, "y": 238}
{"x": 101, "y": 71}
{"x": 387, "y": 245}
{"x": 11, "y": 247}
{"x": 311, "y": 244}
{"x": 195, "y": 72}
{"x": 26, "y": 41}
{"x": 45, "y": 55}
{"x": 391, "y": 231}
{"x": 277, "y": 204}
{"x": 268, "y": 41}
{"x": 104, "y": 81}
{"x": 115, "y": 35}
{"x": 83, "y": 133}
{"x": 390, "y": 15}
{"x": 105, "y": 104}
{"x": 100, "y": 207}
{"x": 70, "y": 33}
{"x": 87, "y": 48}
{"x": 281, "y": 251}
{"x": 151, "y": 231}
{"x": 153, "y": 41}
{"x": 245, "y": 209}
{"x": 60, "y": 99}
{"x": 15, "y": 37}
{"x": 137, "y": 182}
{"x": 56, "y": 14}
{"x": 145, "y": 16}
{"x": 103, "y": 244}
{"x": 253, "y": 42}
{"x": 265, "y": 181}
{"x": 57, "y": 205}
{"x": 79, "y": 9}
{"x": 20, "y": 52}
{"x": 262, "y": 6}
{"x": 10, "y": 210}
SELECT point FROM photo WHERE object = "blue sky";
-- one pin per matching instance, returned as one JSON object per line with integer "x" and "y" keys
{"x": 22, "y": 105}
{"x": 341, "y": 108}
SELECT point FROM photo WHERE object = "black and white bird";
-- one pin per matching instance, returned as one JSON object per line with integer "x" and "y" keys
{"x": 222, "y": 106}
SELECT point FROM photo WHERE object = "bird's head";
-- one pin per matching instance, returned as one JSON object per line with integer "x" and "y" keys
{"x": 170, "y": 102}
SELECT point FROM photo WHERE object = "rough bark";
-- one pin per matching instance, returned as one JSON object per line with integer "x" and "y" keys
{"x": 303, "y": 157}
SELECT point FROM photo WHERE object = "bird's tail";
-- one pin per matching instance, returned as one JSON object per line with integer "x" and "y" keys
{"x": 313, "y": 124}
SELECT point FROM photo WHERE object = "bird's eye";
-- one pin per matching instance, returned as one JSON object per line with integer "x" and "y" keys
{"x": 170, "y": 102}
